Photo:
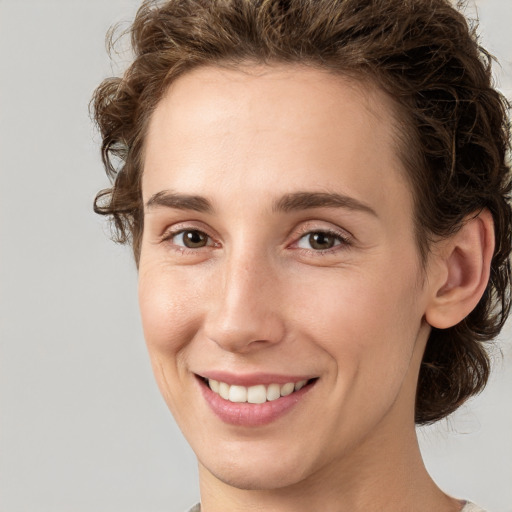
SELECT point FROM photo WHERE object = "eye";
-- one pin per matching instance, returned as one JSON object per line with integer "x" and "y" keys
{"x": 191, "y": 239}
{"x": 320, "y": 240}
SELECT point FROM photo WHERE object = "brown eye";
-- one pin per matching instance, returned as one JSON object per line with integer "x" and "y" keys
{"x": 319, "y": 240}
{"x": 191, "y": 238}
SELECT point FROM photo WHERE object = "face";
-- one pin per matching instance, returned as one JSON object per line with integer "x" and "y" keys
{"x": 280, "y": 284}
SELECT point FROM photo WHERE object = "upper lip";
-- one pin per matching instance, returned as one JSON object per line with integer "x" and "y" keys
{"x": 253, "y": 379}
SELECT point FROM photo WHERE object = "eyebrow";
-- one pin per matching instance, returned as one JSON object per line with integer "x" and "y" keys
{"x": 308, "y": 200}
{"x": 170, "y": 199}
{"x": 289, "y": 202}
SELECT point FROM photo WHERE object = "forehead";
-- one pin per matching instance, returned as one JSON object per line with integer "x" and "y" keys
{"x": 272, "y": 128}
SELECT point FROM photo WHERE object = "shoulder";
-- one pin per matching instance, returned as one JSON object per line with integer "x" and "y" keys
{"x": 470, "y": 507}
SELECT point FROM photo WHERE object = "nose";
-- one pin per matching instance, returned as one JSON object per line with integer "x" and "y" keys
{"x": 244, "y": 314}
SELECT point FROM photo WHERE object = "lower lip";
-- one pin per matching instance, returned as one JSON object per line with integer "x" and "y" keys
{"x": 252, "y": 415}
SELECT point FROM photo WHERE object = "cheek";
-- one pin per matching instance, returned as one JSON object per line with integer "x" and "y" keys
{"x": 167, "y": 304}
{"x": 364, "y": 320}
{"x": 168, "y": 322}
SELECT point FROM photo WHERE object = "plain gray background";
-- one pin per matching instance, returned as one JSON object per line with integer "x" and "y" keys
{"x": 82, "y": 426}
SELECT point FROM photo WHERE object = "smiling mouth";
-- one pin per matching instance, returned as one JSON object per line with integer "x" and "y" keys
{"x": 257, "y": 394}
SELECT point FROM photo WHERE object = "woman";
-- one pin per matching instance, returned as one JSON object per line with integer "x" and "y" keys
{"x": 316, "y": 194}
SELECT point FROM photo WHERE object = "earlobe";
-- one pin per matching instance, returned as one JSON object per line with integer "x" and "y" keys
{"x": 464, "y": 271}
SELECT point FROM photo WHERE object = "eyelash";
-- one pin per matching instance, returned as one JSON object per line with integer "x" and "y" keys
{"x": 342, "y": 241}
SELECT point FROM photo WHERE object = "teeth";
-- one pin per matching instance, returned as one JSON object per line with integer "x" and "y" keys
{"x": 273, "y": 392}
{"x": 300, "y": 385}
{"x": 237, "y": 394}
{"x": 214, "y": 385}
{"x": 254, "y": 394}
{"x": 287, "y": 389}
{"x": 224, "y": 390}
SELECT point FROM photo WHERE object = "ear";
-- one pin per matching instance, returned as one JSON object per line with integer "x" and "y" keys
{"x": 462, "y": 271}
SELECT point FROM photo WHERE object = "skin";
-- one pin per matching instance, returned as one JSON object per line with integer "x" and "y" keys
{"x": 258, "y": 297}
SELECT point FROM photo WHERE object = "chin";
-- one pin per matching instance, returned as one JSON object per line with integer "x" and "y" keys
{"x": 263, "y": 478}
{"x": 259, "y": 467}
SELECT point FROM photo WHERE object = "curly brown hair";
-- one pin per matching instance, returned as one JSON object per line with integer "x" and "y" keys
{"x": 453, "y": 132}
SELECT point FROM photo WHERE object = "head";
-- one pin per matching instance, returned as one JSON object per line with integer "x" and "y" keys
{"x": 449, "y": 127}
